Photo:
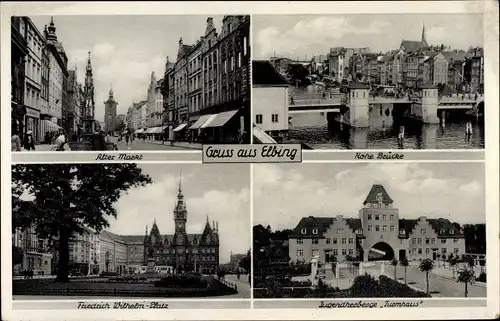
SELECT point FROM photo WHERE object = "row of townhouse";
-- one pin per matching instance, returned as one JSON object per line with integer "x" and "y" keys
{"x": 45, "y": 94}
{"x": 208, "y": 87}
{"x": 414, "y": 63}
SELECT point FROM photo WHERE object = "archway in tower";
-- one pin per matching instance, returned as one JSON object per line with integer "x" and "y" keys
{"x": 381, "y": 251}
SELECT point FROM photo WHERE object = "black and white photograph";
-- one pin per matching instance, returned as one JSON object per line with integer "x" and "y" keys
{"x": 118, "y": 82}
{"x": 377, "y": 81}
{"x": 117, "y": 231}
{"x": 394, "y": 230}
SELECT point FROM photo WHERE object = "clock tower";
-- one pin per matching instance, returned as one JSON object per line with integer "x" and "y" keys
{"x": 180, "y": 217}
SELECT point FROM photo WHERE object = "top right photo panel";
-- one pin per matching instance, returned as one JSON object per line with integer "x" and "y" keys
{"x": 389, "y": 81}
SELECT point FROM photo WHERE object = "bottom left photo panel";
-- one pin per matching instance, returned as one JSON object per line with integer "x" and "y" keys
{"x": 165, "y": 232}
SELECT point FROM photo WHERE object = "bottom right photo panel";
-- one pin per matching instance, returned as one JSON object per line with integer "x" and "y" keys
{"x": 369, "y": 230}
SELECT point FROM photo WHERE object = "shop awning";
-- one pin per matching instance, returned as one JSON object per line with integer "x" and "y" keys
{"x": 139, "y": 131}
{"x": 261, "y": 137}
{"x": 180, "y": 127}
{"x": 48, "y": 126}
{"x": 209, "y": 120}
{"x": 222, "y": 119}
{"x": 158, "y": 130}
{"x": 194, "y": 118}
{"x": 149, "y": 130}
{"x": 200, "y": 122}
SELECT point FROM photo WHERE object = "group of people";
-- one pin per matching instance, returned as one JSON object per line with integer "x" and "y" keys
{"x": 18, "y": 142}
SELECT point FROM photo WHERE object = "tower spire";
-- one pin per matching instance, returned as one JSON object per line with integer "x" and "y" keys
{"x": 423, "y": 40}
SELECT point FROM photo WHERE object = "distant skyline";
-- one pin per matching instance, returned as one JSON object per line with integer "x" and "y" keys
{"x": 303, "y": 36}
{"x": 124, "y": 50}
{"x": 218, "y": 192}
{"x": 285, "y": 193}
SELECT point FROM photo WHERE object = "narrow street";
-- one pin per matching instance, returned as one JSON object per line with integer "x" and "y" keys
{"x": 242, "y": 285}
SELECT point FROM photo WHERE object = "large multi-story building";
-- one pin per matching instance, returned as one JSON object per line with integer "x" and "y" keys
{"x": 195, "y": 86}
{"x": 168, "y": 92}
{"x": 178, "y": 251}
{"x": 181, "y": 83}
{"x": 35, "y": 252}
{"x": 33, "y": 77}
{"x": 58, "y": 73}
{"x": 110, "y": 113}
{"x": 378, "y": 233}
{"x": 475, "y": 69}
{"x": 19, "y": 51}
{"x": 210, "y": 87}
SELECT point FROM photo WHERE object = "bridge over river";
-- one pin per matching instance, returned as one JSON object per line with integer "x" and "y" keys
{"x": 360, "y": 121}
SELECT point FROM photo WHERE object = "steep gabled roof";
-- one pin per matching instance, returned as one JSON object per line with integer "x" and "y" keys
{"x": 445, "y": 228}
{"x": 454, "y": 56}
{"x": 309, "y": 224}
{"x": 263, "y": 73}
{"x": 375, "y": 193}
{"x": 411, "y": 46}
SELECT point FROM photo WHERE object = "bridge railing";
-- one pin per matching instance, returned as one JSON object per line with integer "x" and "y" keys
{"x": 319, "y": 101}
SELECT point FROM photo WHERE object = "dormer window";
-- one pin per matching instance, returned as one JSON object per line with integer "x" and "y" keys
{"x": 315, "y": 231}
{"x": 442, "y": 231}
{"x": 358, "y": 231}
{"x": 303, "y": 231}
{"x": 452, "y": 232}
{"x": 402, "y": 231}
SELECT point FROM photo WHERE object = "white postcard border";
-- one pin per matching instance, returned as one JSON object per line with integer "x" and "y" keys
{"x": 490, "y": 10}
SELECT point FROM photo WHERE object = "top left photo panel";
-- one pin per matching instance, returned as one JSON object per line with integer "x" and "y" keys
{"x": 116, "y": 82}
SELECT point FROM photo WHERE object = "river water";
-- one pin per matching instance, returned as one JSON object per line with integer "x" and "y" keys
{"x": 382, "y": 133}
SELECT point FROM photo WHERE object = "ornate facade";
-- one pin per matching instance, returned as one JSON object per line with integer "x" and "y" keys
{"x": 183, "y": 251}
{"x": 378, "y": 233}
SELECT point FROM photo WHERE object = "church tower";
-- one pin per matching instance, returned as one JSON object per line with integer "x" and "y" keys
{"x": 423, "y": 40}
{"x": 88, "y": 110}
{"x": 110, "y": 112}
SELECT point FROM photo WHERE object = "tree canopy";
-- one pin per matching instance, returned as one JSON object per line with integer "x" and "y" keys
{"x": 60, "y": 200}
{"x": 70, "y": 195}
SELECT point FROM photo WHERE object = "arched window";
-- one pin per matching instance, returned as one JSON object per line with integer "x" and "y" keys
{"x": 303, "y": 231}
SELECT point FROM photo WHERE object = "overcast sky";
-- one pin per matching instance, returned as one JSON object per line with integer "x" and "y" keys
{"x": 285, "y": 193}
{"x": 300, "y": 35}
{"x": 219, "y": 191}
{"x": 125, "y": 50}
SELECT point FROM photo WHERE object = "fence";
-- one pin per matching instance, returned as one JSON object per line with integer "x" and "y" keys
{"x": 227, "y": 283}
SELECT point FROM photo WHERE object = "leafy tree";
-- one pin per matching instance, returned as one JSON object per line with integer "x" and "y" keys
{"x": 68, "y": 197}
{"x": 404, "y": 263}
{"x": 426, "y": 265}
{"x": 466, "y": 276}
{"x": 394, "y": 263}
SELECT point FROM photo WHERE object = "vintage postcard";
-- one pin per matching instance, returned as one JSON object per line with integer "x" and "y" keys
{"x": 98, "y": 83}
{"x": 130, "y": 231}
{"x": 367, "y": 81}
{"x": 250, "y": 160}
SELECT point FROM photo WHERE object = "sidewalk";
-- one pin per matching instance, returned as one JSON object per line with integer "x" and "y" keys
{"x": 186, "y": 145}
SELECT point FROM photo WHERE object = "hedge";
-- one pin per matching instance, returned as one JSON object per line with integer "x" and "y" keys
{"x": 366, "y": 286}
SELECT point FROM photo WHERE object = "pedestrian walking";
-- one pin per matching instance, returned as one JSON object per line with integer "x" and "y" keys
{"x": 29, "y": 142}
{"x": 60, "y": 141}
